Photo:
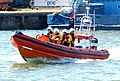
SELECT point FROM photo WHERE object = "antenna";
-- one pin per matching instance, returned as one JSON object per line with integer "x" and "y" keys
{"x": 87, "y": 8}
{"x": 94, "y": 23}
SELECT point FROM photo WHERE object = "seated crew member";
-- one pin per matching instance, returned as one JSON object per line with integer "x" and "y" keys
{"x": 94, "y": 43}
{"x": 50, "y": 33}
{"x": 73, "y": 35}
{"x": 56, "y": 36}
{"x": 65, "y": 38}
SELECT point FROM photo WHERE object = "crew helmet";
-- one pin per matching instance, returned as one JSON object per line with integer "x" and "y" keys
{"x": 49, "y": 28}
{"x": 71, "y": 30}
{"x": 56, "y": 30}
{"x": 65, "y": 30}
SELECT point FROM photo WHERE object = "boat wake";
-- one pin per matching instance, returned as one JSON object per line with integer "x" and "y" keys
{"x": 53, "y": 61}
{"x": 114, "y": 53}
{"x": 83, "y": 61}
{"x": 17, "y": 58}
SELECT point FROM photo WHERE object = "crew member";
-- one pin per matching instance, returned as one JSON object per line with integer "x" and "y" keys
{"x": 94, "y": 43}
{"x": 57, "y": 36}
{"x": 65, "y": 38}
{"x": 50, "y": 33}
{"x": 73, "y": 35}
{"x": 71, "y": 22}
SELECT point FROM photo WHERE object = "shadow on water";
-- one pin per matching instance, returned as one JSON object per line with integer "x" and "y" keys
{"x": 28, "y": 65}
{"x": 31, "y": 65}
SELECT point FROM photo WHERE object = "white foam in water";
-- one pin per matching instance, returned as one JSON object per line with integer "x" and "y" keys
{"x": 62, "y": 60}
{"x": 17, "y": 58}
{"x": 114, "y": 53}
{"x": 83, "y": 60}
{"x": 66, "y": 60}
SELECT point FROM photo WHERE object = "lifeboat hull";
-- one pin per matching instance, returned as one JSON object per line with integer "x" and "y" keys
{"x": 32, "y": 49}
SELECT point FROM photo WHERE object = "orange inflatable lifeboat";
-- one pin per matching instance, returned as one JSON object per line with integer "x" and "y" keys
{"x": 32, "y": 49}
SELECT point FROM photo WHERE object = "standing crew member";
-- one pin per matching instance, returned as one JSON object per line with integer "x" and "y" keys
{"x": 71, "y": 22}
{"x": 50, "y": 33}
{"x": 71, "y": 32}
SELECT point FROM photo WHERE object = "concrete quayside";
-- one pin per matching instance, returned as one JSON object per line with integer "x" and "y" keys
{"x": 25, "y": 19}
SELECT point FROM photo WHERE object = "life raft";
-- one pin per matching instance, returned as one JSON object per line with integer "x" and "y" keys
{"x": 80, "y": 36}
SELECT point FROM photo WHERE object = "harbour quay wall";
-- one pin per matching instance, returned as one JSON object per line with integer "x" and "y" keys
{"x": 12, "y": 20}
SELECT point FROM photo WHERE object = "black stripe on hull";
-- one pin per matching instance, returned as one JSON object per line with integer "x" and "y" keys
{"x": 53, "y": 47}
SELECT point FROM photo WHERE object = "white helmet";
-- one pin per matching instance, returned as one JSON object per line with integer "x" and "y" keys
{"x": 65, "y": 30}
{"x": 56, "y": 30}
{"x": 71, "y": 29}
{"x": 49, "y": 28}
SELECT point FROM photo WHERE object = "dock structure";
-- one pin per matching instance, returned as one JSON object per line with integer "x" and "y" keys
{"x": 4, "y": 3}
{"x": 25, "y": 19}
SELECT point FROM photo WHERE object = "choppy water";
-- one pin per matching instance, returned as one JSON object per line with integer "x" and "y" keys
{"x": 14, "y": 68}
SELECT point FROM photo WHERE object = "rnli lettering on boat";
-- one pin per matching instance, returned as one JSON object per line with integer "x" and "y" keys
{"x": 27, "y": 47}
